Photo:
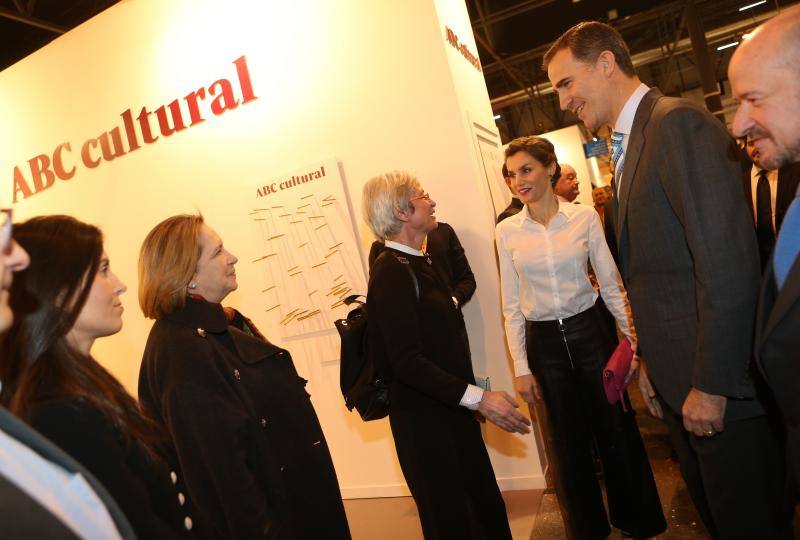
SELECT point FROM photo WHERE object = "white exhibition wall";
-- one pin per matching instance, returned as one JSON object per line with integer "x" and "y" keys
{"x": 263, "y": 90}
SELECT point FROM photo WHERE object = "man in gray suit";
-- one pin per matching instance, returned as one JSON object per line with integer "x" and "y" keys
{"x": 688, "y": 256}
{"x": 44, "y": 493}
{"x": 766, "y": 82}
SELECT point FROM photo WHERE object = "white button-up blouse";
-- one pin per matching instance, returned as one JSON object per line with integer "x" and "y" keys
{"x": 544, "y": 273}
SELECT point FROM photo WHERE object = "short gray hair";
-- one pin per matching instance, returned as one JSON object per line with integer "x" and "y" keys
{"x": 383, "y": 195}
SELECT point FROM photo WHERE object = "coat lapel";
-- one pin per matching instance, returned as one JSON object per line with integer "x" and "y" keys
{"x": 748, "y": 191}
{"x": 787, "y": 296}
{"x": 636, "y": 142}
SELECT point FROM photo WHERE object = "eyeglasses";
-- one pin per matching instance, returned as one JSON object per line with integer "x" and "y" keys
{"x": 424, "y": 195}
{"x": 6, "y": 227}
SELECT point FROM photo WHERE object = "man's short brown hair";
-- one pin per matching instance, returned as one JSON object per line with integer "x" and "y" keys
{"x": 587, "y": 40}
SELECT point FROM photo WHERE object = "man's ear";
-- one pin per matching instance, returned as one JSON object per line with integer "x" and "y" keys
{"x": 607, "y": 63}
{"x": 400, "y": 214}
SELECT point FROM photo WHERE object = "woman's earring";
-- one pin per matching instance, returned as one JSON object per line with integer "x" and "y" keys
{"x": 192, "y": 285}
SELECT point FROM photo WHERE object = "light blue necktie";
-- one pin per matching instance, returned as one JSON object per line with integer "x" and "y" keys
{"x": 617, "y": 157}
{"x": 788, "y": 245}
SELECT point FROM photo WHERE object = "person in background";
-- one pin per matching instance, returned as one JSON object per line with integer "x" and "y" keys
{"x": 599, "y": 199}
{"x": 432, "y": 391}
{"x": 765, "y": 81}
{"x": 248, "y": 440}
{"x": 688, "y": 255}
{"x": 557, "y": 341}
{"x": 66, "y": 299}
{"x": 515, "y": 205}
{"x": 768, "y": 194}
{"x": 567, "y": 186}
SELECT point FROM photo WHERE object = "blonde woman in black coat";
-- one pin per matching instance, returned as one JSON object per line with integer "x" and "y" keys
{"x": 252, "y": 451}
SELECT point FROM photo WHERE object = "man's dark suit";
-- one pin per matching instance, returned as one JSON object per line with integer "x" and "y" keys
{"x": 689, "y": 260}
{"x": 788, "y": 180}
{"x": 777, "y": 342}
{"x": 23, "y": 517}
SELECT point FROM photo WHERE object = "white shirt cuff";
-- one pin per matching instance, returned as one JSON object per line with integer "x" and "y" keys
{"x": 472, "y": 397}
{"x": 521, "y": 368}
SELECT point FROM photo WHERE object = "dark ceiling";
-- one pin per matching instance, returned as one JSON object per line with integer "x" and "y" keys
{"x": 29, "y": 25}
{"x": 512, "y": 36}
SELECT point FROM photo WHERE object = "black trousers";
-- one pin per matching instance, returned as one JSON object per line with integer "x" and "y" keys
{"x": 736, "y": 478}
{"x": 447, "y": 469}
{"x": 567, "y": 359}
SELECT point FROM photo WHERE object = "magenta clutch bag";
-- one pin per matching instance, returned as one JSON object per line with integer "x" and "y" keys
{"x": 615, "y": 371}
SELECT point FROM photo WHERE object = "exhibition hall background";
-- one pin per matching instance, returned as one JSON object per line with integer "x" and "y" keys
{"x": 364, "y": 86}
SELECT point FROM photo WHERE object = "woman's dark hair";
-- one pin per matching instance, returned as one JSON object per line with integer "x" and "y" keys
{"x": 539, "y": 149}
{"x": 38, "y": 362}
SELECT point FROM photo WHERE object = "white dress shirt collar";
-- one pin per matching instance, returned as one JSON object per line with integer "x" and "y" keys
{"x": 404, "y": 248}
{"x": 565, "y": 209}
{"x": 624, "y": 121}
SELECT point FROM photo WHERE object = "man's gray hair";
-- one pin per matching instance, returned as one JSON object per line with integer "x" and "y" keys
{"x": 383, "y": 195}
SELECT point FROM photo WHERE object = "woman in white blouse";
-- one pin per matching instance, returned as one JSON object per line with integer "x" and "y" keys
{"x": 559, "y": 346}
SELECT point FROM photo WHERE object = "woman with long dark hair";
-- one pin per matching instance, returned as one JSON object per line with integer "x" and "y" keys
{"x": 66, "y": 299}
{"x": 560, "y": 343}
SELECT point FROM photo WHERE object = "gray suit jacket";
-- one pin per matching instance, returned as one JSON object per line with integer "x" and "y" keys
{"x": 688, "y": 253}
{"x": 20, "y": 515}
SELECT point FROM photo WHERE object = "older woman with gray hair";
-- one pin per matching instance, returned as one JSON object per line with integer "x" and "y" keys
{"x": 432, "y": 390}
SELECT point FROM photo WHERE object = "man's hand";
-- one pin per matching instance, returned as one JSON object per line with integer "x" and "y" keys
{"x": 703, "y": 413}
{"x": 528, "y": 388}
{"x": 648, "y": 394}
{"x": 501, "y": 409}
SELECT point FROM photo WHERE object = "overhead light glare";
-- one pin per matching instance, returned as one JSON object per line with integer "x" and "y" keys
{"x": 497, "y": 117}
{"x": 754, "y": 4}
{"x": 727, "y": 45}
{"x": 745, "y": 36}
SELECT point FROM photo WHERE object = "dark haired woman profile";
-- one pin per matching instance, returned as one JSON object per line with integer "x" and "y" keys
{"x": 248, "y": 440}
{"x": 560, "y": 345}
{"x": 66, "y": 299}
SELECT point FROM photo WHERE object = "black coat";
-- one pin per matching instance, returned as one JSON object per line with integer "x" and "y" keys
{"x": 449, "y": 258}
{"x": 427, "y": 362}
{"x": 252, "y": 451}
{"x": 141, "y": 485}
{"x": 777, "y": 341}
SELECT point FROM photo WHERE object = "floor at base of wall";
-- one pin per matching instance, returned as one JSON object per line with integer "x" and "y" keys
{"x": 397, "y": 519}
{"x": 534, "y": 514}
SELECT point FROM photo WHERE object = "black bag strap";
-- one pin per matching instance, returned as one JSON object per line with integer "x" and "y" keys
{"x": 402, "y": 260}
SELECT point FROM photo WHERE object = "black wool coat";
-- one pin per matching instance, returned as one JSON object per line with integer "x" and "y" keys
{"x": 248, "y": 440}
{"x": 144, "y": 488}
